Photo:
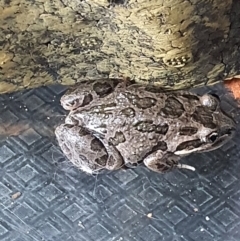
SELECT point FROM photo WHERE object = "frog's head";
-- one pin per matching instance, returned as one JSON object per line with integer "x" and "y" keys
{"x": 215, "y": 127}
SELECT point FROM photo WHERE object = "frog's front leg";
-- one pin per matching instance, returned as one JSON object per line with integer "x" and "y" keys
{"x": 163, "y": 162}
{"x": 85, "y": 150}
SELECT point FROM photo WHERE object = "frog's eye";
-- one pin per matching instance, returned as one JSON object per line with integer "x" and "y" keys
{"x": 213, "y": 137}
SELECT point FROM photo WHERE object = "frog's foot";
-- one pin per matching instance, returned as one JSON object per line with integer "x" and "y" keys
{"x": 164, "y": 162}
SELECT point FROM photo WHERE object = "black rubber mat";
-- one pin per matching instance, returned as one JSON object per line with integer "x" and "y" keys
{"x": 43, "y": 197}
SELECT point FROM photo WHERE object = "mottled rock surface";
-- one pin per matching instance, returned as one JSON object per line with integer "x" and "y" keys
{"x": 175, "y": 44}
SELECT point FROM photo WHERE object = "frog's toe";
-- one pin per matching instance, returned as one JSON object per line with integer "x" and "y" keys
{"x": 131, "y": 165}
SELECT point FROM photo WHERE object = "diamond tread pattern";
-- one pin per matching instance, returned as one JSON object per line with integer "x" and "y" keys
{"x": 59, "y": 202}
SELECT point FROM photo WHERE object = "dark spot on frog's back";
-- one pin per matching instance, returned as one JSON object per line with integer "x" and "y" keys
{"x": 96, "y": 145}
{"x": 148, "y": 126}
{"x": 144, "y": 126}
{"x": 173, "y": 108}
{"x": 128, "y": 112}
{"x": 204, "y": 116}
{"x": 188, "y": 131}
{"x": 87, "y": 99}
{"x": 117, "y": 139}
{"x": 161, "y": 145}
{"x": 103, "y": 89}
{"x": 145, "y": 103}
{"x": 162, "y": 129}
{"x": 102, "y": 161}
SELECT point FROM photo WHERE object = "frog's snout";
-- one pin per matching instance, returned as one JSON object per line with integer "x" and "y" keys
{"x": 231, "y": 132}
{"x": 229, "y": 121}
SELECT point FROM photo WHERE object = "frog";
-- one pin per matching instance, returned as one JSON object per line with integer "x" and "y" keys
{"x": 112, "y": 124}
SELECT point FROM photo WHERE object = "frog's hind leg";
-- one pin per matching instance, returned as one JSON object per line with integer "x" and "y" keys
{"x": 84, "y": 150}
{"x": 114, "y": 159}
{"x": 164, "y": 162}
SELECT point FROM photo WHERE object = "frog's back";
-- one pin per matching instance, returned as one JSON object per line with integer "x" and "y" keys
{"x": 138, "y": 120}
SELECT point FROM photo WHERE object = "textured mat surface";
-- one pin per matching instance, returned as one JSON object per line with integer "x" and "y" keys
{"x": 43, "y": 197}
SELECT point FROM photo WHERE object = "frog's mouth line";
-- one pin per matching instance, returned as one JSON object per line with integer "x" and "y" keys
{"x": 197, "y": 145}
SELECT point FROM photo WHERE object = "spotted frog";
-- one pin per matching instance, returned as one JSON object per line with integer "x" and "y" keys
{"x": 113, "y": 124}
